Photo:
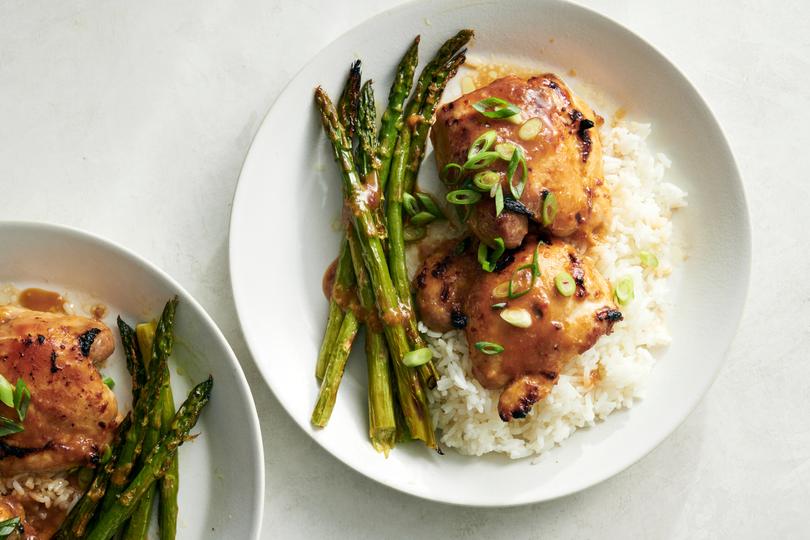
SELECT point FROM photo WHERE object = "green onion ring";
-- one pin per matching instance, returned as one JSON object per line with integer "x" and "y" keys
{"x": 417, "y": 357}
{"x": 410, "y": 204}
{"x": 498, "y": 200}
{"x": 517, "y": 159}
{"x": 423, "y": 218}
{"x": 483, "y": 143}
{"x": 493, "y": 107}
{"x": 429, "y": 204}
{"x": 624, "y": 291}
{"x": 481, "y": 160}
{"x": 648, "y": 259}
{"x": 565, "y": 284}
{"x": 486, "y": 180}
{"x": 463, "y": 197}
{"x": 489, "y": 348}
{"x": 447, "y": 172}
{"x": 488, "y": 260}
{"x": 412, "y": 233}
{"x": 550, "y": 208}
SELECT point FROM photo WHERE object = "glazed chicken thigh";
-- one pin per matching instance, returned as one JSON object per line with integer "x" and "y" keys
{"x": 563, "y": 156}
{"x": 72, "y": 414}
{"x": 538, "y": 328}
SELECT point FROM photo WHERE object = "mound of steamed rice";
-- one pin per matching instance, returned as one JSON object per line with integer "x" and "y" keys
{"x": 611, "y": 375}
{"x": 50, "y": 490}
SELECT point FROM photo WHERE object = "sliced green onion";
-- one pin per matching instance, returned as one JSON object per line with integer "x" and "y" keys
{"x": 417, "y": 358}
{"x": 498, "y": 200}
{"x": 109, "y": 382}
{"x": 9, "y": 426}
{"x": 648, "y": 259}
{"x": 517, "y": 317}
{"x": 549, "y": 209}
{"x": 565, "y": 284}
{"x": 505, "y": 150}
{"x": 499, "y": 305}
{"x": 463, "y": 196}
{"x": 482, "y": 143}
{"x": 412, "y": 233}
{"x": 9, "y": 526}
{"x": 624, "y": 291}
{"x": 486, "y": 180}
{"x": 6, "y": 392}
{"x": 517, "y": 159}
{"x": 501, "y": 290}
{"x": 451, "y": 173}
{"x": 22, "y": 398}
{"x": 410, "y": 204}
{"x": 487, "y": 259}
{"x": 487, "y": 347}
{"x": 106, "y": 454}
{"x": 516, "y": 277}
{"x": 429, "y": 204}
{"x": 481, "y": 160}
{"x": 493, "y": 107}
{"x": 530, "y": 129}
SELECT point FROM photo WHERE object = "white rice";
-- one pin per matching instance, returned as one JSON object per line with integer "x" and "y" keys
{"x": 611, "y": 375}
{"x": 50, "y": 490}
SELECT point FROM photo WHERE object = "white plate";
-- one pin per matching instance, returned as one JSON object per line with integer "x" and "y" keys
{"x": 222, "y": 470}
{"x": 288, "y": 197}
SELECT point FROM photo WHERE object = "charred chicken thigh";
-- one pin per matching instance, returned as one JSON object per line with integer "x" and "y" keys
{"x": 72, "y": 414}
{"x": 558, "y": 307}
{"x": 563, "y": 156}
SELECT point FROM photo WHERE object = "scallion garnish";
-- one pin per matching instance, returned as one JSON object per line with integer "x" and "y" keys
{"x": 412, "y": 233}
{"x": 624, "y": 291}
{"x": 505, "y": 150}
{"x": 498, "y": 200}
{"x": 481, "y": 160}
{"x": 10, "y": 526}
{"x": 648, "y": 259}
{"x": 565, "y": 284}
{"x": 530, "y": 129}
{"x": 452, "y": 173}
{"x": 499, "y": 305}
{"x": 501, "y": 290}
{"x": 109, "y": 382}
{"x": 517, "y": 317}
{"x": 410, "y": 204}
{"x": 486, "y": 180}
{"x": 487, "y": 259}
{"x": 417, "y": 358}
{"x": 105, "y": 455}
{"x": 429, "y": 204}
{"x": 516, "y": 160}
{"x": 493, "y": 107}
{"x": 518, "y": 277}
{"x": 487, "y": 347}
{"x": 549, "y": 209}
{"x": 9, "y": 426}
{"x": 6, "y": 392}
{"x": 463, "y": 197}
{"x": 483, "y": 143}
{"x": 22, "y": 398}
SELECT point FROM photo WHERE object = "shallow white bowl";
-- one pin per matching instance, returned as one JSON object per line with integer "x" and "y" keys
{"x": 288, "y": 197}
{"x": 222, "y": 470}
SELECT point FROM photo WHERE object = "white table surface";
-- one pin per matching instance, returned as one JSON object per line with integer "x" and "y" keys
{"x": 131, "y": 120}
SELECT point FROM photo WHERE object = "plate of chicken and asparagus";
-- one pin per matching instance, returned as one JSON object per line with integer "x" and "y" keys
{"x": 509, "y": 264}
{"x": 99, "y": 407}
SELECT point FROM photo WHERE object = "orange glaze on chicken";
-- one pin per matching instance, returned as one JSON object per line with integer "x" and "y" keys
{"x": 72, "y": 415}
{"x": 564, "y": 157}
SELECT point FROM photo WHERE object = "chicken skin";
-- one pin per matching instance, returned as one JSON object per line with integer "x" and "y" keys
{"x": 563, "y": 156}
{"x": 72, "y": 414}
{"x": 547, "y": 328}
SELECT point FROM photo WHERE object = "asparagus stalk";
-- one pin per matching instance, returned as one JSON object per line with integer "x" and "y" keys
{"x": 392, "y": 117}
{"x": 156, "y": 353}
{"x": 344, "y": 278}
{"x": 382, "y": 422}
{"x": 148, "y": 401}
{"x": 75, "y": 524}
{"x": 344, "y": 281}
{"x": 169, "y": 485}
{"x": 361, "y": 207}
{"x": 155, "y": 463}
{"x": 132, "y": 354}
{"x": 408, "y": 150}
{"x": 334, "y": 370}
